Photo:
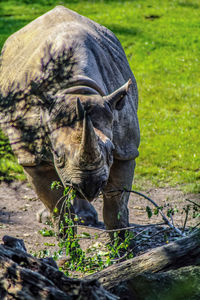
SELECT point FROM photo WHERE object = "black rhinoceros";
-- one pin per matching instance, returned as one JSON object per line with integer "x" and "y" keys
{"x": 68, "y": 103}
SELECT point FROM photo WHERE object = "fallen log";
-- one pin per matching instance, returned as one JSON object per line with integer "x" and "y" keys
{"x": 172, "y": 268}
{"x": 183, "y": 283}
{"x": 169, "y": 272}
{"x": 23, "y": 276}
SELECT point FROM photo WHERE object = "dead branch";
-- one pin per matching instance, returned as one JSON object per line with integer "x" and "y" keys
{"x": 165, "y": 219}
{"x": 24, "y": 277}
{"x": 183, "y": 252}
{"x": 193, "y": 202}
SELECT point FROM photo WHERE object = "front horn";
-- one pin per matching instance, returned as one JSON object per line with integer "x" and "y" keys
{"x": 89, "y": 148}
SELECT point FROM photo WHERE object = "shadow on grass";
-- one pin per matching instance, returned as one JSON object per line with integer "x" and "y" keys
{"x": 188, "y": 4}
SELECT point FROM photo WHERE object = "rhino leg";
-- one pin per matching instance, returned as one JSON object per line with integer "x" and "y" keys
{"x": 85, "y": 211}
{"x": 115, "y": 210}
{"x": 41, "y": 178}
{"x": 43, "y": 215}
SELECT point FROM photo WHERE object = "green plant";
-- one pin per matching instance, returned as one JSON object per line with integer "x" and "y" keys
{"x": 97, "y": 256}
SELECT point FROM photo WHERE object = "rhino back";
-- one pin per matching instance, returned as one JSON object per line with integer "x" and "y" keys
{"x": 47, "y": 53}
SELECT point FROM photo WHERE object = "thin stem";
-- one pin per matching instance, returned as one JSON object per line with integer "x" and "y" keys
{"x": 157, "y": 206}
{"x": 193, "y": 202}
{"x": 186, "y": 217}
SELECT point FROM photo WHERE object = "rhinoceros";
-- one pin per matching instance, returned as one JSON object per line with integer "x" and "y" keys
{"x": 68, "y": 103}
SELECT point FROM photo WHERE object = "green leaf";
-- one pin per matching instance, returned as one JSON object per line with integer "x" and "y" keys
{"x": 156, "y": 211}
{"x": 55, "y": 210}
{"x": 85, "y": 234}
{"x": 55, "y": 184}
{"x": 119, "y": 215}
{"x": 46, "y": 232}
{"x": 149, "y": 212}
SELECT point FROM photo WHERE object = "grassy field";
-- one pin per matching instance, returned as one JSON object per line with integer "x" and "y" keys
{"x": 162, "y": 43}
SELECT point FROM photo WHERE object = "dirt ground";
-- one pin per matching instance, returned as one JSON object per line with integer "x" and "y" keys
{"x": 19, "y": 204}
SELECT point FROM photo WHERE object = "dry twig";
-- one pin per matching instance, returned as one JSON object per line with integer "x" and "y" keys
{"x": 193, "y": 202}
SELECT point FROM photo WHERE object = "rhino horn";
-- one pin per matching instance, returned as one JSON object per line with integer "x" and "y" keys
{"x": 79, "y": 110}
{"x": 89, "y": 148}
{"x": 116, "y": 99}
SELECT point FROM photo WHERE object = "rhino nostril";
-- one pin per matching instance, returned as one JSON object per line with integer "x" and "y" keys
{"x": 104, "y": 183}
{"x": 75, "y": 186}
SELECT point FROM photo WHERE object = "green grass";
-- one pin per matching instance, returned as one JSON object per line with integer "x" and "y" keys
{"x": 162, "y": 43}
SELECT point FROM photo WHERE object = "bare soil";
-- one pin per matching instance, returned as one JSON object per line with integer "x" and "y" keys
{"x": 19, "y": 205}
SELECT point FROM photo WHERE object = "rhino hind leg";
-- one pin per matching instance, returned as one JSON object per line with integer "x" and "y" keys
{"x": 41, "y": 178}
{"x": 115, "y": 208}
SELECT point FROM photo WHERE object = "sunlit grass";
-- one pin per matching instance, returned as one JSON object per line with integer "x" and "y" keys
{"x": 162, "y": 43}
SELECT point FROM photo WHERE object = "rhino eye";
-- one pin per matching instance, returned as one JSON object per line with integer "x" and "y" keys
{"x": 59, "y": 158}
{"x": 60, "y": 161}
{"x": 110, "y": 150}
{"x": 108, "y": 107}
{"x": 110, "y": 159}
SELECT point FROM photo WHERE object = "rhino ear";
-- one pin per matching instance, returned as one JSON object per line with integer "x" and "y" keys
{"x": 117, "y": 98}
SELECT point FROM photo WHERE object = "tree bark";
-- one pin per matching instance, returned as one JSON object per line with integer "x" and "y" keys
{"x": 24, "y": 277}
{"x": 169, "y": 272}
{"x": 183, "y": 284}
{"x": 171, "y": 267}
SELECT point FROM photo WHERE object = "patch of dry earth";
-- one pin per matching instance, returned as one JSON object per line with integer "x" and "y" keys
{"x": 19, "y": 204}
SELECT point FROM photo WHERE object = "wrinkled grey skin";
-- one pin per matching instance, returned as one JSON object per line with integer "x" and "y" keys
{"x": 69, "y": 107}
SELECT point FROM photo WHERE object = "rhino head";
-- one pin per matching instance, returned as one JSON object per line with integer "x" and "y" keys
{"x": 80, "y": 133}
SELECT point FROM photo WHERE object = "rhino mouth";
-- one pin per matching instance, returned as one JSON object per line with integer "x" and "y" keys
{"x": 89, "y": 197}
{"x": 89, "y": 191}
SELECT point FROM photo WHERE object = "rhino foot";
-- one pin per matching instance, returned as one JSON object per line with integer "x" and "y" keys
{"x": 43, "y": 215}
{"x": 82, "y": 208}
{"x": 86, "y": 212}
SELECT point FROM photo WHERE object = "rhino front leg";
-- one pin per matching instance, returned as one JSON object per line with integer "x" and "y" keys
{"x": 115, "y": 210}
{"x": 41, "y": 178}
{"x": 85, "y": 211}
